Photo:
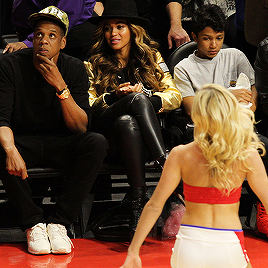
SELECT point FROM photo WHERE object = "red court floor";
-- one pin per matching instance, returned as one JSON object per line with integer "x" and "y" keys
{"x": 95, "y": 254}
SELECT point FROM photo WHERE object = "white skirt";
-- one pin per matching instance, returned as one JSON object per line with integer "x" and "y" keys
{"x": 201, "y": 247}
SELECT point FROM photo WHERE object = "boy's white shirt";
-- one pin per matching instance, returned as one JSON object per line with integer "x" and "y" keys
{"x": 193, "y": 72}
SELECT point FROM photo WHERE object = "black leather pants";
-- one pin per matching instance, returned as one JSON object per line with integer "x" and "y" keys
{"x": 131, "y": 125}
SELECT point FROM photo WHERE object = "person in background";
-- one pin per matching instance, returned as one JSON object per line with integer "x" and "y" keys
{"x": 187, "y": 8}
{"x": 240, "y": 40}
{"x": 130, "y": 84}
{"x": 44, "y": 122}
{"x": 208, "y": 64}
{"x": 261, "y": 76}
{"x": 213, "y": 168}
{"x": 5, "y": 18}
{"x": 78, "y": 11}
{"x": 252, "y": 26}
{"x": 256, "y": 24}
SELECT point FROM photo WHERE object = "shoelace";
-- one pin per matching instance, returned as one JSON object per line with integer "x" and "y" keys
{"x": 60, "y": 230}
{"x": 38, "y": 233}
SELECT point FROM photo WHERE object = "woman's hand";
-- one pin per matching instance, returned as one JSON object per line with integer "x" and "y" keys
{"x": 123, "y": 89}
{"x": 127, "y": 88}
{"x": 137, "y": 87}
{"x": 132, "y": 262}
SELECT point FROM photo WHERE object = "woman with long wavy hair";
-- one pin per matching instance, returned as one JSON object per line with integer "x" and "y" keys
{"x": 130, "y": 84}
{"x": 213, "y": 168}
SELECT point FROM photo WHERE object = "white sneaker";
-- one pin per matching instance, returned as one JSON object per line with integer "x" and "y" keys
{"x": 59, "y": 240}
{"x": 37, "y": 239}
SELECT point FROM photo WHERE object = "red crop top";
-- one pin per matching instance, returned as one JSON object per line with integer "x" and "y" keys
{"x": 210, "y": 195}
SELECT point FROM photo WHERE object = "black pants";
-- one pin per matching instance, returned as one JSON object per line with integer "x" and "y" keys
{"x": 132, "y": 128}
{"x": 81, "y": 155}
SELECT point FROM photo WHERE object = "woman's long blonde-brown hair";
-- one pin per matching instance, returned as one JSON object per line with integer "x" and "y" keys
{"x": 142, "y": 65}
{"x": 224, "y": 131}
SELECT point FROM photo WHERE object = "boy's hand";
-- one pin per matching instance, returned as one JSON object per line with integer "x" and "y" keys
{"x": 242, "y": 95}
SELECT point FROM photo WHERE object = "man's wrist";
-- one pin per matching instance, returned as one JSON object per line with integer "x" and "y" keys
{"x": 63, "y": 94}
{"x": 10, "y": 149}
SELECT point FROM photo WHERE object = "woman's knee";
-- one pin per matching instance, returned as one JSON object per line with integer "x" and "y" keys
{"x": 139, "y": 97}
{"x": 140, "y": 104}
{"x": 125, "y": 122}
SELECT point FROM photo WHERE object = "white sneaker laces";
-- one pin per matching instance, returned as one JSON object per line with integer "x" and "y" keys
{"x": 58, "y": 231}
{"x": 38, "y": 232}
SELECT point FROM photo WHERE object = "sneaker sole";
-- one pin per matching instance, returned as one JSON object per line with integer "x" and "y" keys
{"x": 42, "y": 252}
{"x": 61, "y": 251}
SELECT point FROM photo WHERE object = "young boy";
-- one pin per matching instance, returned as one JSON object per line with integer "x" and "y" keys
{"x": 211, "y": 64}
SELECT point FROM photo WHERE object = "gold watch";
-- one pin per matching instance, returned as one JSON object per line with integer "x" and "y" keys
{"x": 63, "y": 94}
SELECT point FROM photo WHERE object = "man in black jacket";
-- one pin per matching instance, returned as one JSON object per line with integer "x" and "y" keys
{"x": 44, "y": 121}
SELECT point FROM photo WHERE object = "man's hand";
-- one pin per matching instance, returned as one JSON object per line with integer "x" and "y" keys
{"x": 178, "y": 35}
{"x": 15, "y": 164}
{"x": 12, "y": 47}
{"x": 176, "y": 32}
{"x": 50, "y": 72}
{"x": 74, "y": 116}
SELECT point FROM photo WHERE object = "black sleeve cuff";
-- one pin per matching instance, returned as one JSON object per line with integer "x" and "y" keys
{"x": 168, "y": 1}
{"x": 156, "y": 102}
{"x": 110, "y": 98}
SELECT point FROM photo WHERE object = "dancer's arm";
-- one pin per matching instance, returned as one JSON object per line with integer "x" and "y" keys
{"x": 257, "y": 178}
{"x": 168, "y": 182}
